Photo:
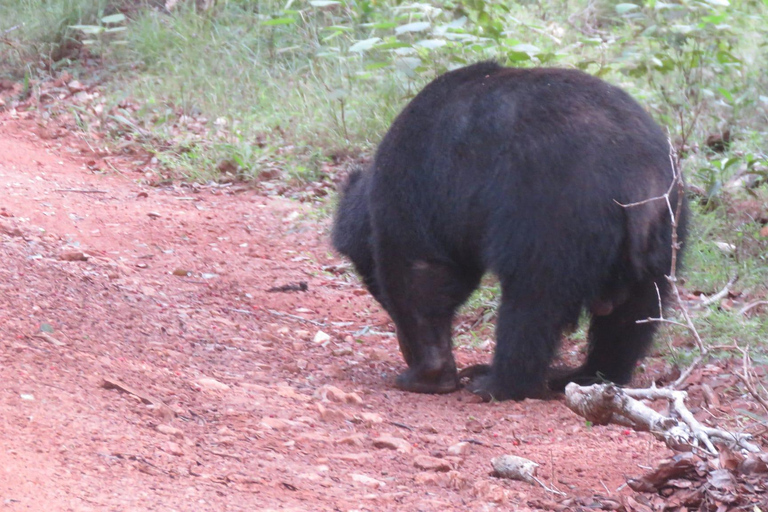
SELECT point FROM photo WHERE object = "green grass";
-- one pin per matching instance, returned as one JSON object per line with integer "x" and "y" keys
{"x": 40, "y": 36}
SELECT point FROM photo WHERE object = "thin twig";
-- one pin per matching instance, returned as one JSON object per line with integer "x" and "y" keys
{"x": 548, "y": 489}
{"x": 751, "y": 305}
{"x": 296, "y": 317}
{"x": 242, "y": 311}
{"x": 688, "y": 371}
{"x": 662, "y": 320}
{"x": 9, "y": 30}
{"x": 81, "y": 190}
{"x": 746, "y": 377}
{"x": 722, "y": 293}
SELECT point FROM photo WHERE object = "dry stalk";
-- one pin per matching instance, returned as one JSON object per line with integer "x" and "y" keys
{"x": 677, "y": 184}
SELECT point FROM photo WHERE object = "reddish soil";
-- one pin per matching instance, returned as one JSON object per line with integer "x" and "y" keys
{"x": 173, "y": 291}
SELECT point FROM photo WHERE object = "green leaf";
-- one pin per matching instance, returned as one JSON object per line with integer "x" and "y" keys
{"x": 715, "y": 19}
{"x": 625, "y": 8}
{"x": 684, "y": 29}
{"x": 392, "y": 45}
{"x": 88, "y": 29}
{"x": 46, "y": 328}
{"x": 408, "y": 65}
{"x": 416, "y": 26}
{"x": 518, "y": 56}
{"x": 364, "y": 45}
{"x": 113, "y": 19}
{"x": 725, "y": 163}
{"x": 278, "y": 21}
{"x": 726, "y": 94}
{"x": 376, "y": 65}
{"x": 431, "y": 44}
{"x": 526, "y": 48}
{"x": 386, "y": 25}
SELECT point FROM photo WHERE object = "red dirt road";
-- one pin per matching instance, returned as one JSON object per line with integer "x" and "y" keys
{"x": 248, "y": 422}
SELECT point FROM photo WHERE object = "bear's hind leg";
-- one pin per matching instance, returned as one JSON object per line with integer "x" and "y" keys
{"x": 616, "y": 341}
{"x": 527, "y": 335}
{"x": 422, "y": 298}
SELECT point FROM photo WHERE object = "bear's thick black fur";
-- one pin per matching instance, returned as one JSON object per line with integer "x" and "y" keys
{"x": 520, "y": 172}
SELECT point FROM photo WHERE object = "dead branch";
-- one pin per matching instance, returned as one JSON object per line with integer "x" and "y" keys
{"x": 747, "y": 378}
{"x": 750, "y": 306}
{"x": 681, "y": 431}
{"x": 721, "y": 294}
{"x": 677, "y": 183}
{"x": 9, "y": 30}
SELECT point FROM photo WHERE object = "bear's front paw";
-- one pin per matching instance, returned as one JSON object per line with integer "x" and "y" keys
{"x": 418, "y": 382}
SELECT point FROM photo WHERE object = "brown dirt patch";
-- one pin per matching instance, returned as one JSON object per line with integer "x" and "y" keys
{"x": 275, "y": 437}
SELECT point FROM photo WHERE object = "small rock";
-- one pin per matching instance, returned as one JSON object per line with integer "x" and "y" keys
{"x": 275, "y": 423}
{"x": 334, "y": 394}
{"x": 352, "y": 457}
{"x": 368, "y": 418}
{"x": 291, "y": 216}
{"x": 392, "y": 443}
{"x": 329, "y": 414}
{"x": 514, "y": 467}
{"x": 475, "y": 426}
{"x": 162, "y": 411}
{"x": 10, "y": 231}
{"x": 342, "y": 351}
{"x": 299, "y": 365}
{"x": 74, "y": 86}
{"x": 726, "y": 248}
{"x": 303, "y": 335}
{"x": 488, "y": 491}
{"x": 73, "y": 256}
{"x": 428, "y": 478}
{"x": 321, "y": 337}
{"x": 313, "y": 438}
{"x": 459, "y": 481}
{"x": 171, "y": 431}
{"x": 174, "y": 448}
{"x": 82, "y": 97}
{"x": 357, "y": 440}
{"x": 289, "y": 392}
{"x": 367, "y": 480}
{"x": 210, "y": 384}
{"x": 378, "y": 354}
{"x": 460, "y": 449}
{"x": 431, "y": 463}
{"x": 453, "y": 460}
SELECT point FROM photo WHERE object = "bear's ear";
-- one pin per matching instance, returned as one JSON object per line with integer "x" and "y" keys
{"x": 353, "y": 178}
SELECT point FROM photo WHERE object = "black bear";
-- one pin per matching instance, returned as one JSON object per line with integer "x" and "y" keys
{"x": 525, "y": 173}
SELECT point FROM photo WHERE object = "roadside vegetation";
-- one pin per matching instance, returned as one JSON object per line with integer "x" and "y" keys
{"x": 263, "y": 90}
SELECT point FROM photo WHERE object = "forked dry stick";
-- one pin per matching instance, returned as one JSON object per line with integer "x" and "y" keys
{"x": 681, "y": 431}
